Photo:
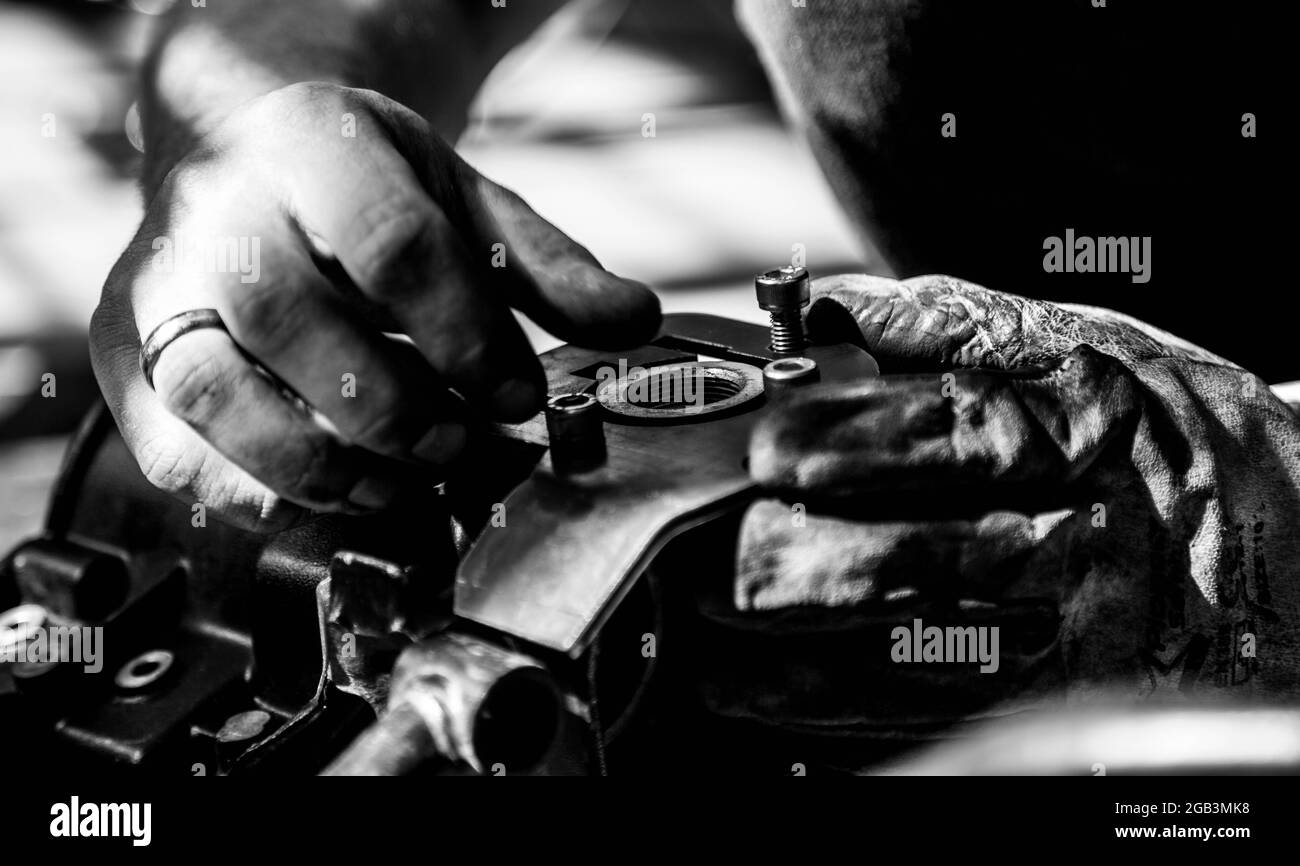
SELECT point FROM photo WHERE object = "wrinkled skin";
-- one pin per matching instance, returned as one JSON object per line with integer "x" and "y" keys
{"x": 1121, "y": 502}
{"x": 367, "y": 223}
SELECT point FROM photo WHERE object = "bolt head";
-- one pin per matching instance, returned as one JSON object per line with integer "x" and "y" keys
{"x": 785, "y": 288}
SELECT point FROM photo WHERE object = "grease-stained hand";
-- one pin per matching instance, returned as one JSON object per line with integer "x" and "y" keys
{"x": 350, "y": 219}
{"x": 1120, "y": 503}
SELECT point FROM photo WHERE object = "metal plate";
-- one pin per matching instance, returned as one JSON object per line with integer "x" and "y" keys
{"x": 573, "y": 545}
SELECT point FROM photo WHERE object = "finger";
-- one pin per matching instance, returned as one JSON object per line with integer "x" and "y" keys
{"x": 965, "y": 429}
{"x": 822, "y": 565}
{"x": 204, "y": 379}
{"x": 276, "y": 301}
{"x": 377, "y": 392}
{"x": 554, "y": 280}
{"x": 172, "y": 456}
{"x": 938, "y": 322}
{"x": 929, "y": 325}
{"x": 402, "y": 252}
{"x": 811, "y": 635}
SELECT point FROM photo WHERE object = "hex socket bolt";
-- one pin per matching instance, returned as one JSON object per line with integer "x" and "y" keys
{"x": 788, "y": 374}
{"x": 576, "y": 431}
{"x": 783, "y": 293}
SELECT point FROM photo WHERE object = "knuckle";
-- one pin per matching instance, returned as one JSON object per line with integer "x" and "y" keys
{"x": 171, "y": 467}
{"x": 194, "y": 387}
{"x": 265, "y": 316}
{"x": 306, "y": 472}
{"x": 393, "y": 238}
{"x": 108, "y": 331}
{"x": 312, "y": 101}
{"x": 193, "y": 179}
{"x": 279, "y": 123}
{"x": 237, "y": 498}
{"x": 472, "y": 354}
{"x": 386, "y": 430}
{"x": 232, "y": 496}
{"x": 190, "y": 176}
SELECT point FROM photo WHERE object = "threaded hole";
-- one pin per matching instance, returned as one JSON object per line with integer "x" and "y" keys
{"x": 673, "y": 392}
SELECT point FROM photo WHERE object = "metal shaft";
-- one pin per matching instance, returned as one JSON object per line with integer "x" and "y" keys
{"x": 787, "y": 333}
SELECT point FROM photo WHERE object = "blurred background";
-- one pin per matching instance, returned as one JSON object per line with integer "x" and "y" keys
{"x": 719, "y": 192}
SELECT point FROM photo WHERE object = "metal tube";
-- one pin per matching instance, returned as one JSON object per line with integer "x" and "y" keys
{"x": 464, "y": 700}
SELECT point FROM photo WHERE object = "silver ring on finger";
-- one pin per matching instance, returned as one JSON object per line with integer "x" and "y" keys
{"x": 169, "y": 331}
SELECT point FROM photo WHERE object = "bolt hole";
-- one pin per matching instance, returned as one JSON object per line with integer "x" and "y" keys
{"x": 144, "y": 670}
{"x": 713, "y": 389}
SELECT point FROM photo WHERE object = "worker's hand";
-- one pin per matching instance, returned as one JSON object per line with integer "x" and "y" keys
{"x": 315, "y": 220}
{"x": 1122, "y": 505}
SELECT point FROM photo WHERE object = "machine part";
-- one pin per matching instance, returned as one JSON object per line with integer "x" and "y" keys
{"x": 371, "y": 609}
{"x": 397, "y": 744}
{"x": 464, "y": 700}
{"x": 784, "y": 293}
{"x": 239, "y": 733}
{"x": 239, "y": 611}
{"x": 144, "y": 670}
{"x": 70, "y": 579}
{"x": 242, "y": 727}
{"x": 788, "y": 374}
{"x": 574, "y": 545}
{"x": 676, "y": 393}
{"x": 576, "y": 432}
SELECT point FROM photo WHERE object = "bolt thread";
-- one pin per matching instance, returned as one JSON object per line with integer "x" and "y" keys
{"x": 787, "y": 332}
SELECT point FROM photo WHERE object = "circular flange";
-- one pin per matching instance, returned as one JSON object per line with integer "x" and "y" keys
{"x": 681, "y": 392}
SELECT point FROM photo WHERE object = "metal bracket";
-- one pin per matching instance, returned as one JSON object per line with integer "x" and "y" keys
{"x": 573, "y": 545}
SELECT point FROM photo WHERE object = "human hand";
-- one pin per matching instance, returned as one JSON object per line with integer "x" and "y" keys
{"x": 324, "y": 218}
{"x": 1120, "y": 503}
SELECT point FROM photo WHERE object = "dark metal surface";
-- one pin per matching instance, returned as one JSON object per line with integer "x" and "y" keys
{"x": 247, "y": 620}
{"x": 464, "y": 700}
{"x": 573, "y": 544}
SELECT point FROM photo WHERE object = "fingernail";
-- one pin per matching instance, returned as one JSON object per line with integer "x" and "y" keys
{"x": 517, "y": 399}
{"x": 441, "y": 443}
{"x": 373, "y": 493}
